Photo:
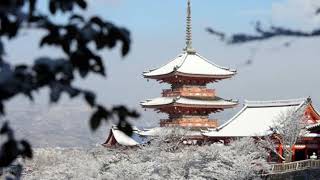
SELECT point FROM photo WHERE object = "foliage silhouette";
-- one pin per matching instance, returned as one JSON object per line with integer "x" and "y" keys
{"x": 75, "y": 38}
{"x": 263, "y": 34}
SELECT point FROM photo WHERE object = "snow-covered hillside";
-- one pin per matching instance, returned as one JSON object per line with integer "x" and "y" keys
{"x": 63, "y": 125}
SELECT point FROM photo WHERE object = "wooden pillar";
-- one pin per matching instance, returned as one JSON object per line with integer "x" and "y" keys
{"x": 280, "y": 151}
{"x": 293, "y": 153}
{"x": 306, "y": 152}
{"x": 318, "y": 148}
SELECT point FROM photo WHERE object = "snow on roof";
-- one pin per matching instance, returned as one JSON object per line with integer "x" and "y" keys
{"x": 193, "y": 64}
{"x": 313, "y": 125}
{"x": 151, "y": 132}
{"x": 188, "y": 101}
{"x": 255, "y": 118}
{"x": 288, "y": 102}
{"x": 157, "y": 131}
{"x": 311, "y": 135}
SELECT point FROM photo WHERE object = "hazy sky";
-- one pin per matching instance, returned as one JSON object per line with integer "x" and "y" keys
{"x": 158, "y": 30}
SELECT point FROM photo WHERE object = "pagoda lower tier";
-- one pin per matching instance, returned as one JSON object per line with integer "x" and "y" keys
{"x": 189, "y": 111}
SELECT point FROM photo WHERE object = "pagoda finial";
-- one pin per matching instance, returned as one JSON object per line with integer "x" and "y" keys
{"x": 188, "y": 47}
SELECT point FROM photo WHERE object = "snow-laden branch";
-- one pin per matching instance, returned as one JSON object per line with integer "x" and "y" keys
{"x": 242, "y": 159}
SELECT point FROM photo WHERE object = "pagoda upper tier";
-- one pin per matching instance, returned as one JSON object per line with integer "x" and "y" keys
{"x": 190, "y": 68}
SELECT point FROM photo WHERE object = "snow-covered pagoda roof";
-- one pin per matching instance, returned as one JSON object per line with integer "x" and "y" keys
{"x": 191, "y": 64}
{"x": 256, "y": 118}
{"x": 214, "y": 102}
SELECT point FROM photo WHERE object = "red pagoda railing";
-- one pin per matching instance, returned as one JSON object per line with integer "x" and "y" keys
{"x": 196, "y": 122}
{"x": 190, "y": 91}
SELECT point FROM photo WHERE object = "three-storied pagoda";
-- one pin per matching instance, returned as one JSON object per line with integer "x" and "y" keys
{"x": 189, "y": 102}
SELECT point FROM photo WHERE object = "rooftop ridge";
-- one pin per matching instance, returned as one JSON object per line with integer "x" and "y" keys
{"x": 214, "y": 64}
{"x": 164, "y": 64}
{"x": 276, "y": 102}
{"x": 183, "y": 61}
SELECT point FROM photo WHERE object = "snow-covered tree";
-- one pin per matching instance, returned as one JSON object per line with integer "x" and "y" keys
{"x": 288, "y": 127}
{"x": 241, "y": 159}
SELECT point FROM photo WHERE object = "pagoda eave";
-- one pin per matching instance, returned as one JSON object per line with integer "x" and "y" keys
{"x": 172, "y": 105}
{"x": 196, "y": 101}
{"x": 176, "y": 76}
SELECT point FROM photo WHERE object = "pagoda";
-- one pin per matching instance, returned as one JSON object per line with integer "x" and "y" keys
{"x": 189, "y": 102}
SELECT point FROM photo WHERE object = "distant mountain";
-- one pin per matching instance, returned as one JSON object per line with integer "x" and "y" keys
{"x": 63, "y": 125}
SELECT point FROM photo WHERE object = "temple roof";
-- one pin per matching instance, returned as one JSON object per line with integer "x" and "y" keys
{"x": 191, "y": 64}
{"x": 123, "y": 139}
{"x": 256, "y": 118}
{"x": 216, "y": 102}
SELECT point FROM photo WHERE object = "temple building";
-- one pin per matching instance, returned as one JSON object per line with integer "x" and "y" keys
{"x": 189, "y": 102}
{"x": 257, "y": 117}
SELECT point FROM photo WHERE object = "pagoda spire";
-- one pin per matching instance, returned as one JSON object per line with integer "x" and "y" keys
{"x": 189, "y": 48}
